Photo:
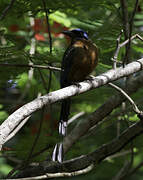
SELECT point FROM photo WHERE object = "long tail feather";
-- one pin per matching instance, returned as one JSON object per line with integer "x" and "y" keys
{"x": 65, "y": 111}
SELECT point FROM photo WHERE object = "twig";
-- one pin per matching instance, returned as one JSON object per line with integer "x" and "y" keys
{"x": 41, "y": 151}
{"x": 117, "y": 51}
{"x": 31, "y": 66}
{"x": 122, "y": 171}
{"x": 119, "y": 154}
{"x": 129, "y": 164}
{"x": 134, "y": 170}
{"x": 48, "y": 24}
{"x": 75, "y": 117}
{"x": 133, "y": 37}
{"x": 130, "y": 31}
{"x": 50, "y": 40}
{"x": 114, "y": 59}
{"x": 36, "y": 138}
{"x": 135, "y": 108}
{"x": 57, "y": 175}
{"x": 15, "y": 131}
{"x": 5, "y": 11}
{"x": 125, "y": 19}
{"x": 128, "y": 25}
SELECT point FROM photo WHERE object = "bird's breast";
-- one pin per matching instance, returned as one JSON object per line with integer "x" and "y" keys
{"x": 84, "y": 61}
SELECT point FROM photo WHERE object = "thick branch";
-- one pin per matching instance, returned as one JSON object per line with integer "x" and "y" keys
{"x": 103, "y": 111}
{"x": 84, "y": 161}
{"x": 14, "y": 119}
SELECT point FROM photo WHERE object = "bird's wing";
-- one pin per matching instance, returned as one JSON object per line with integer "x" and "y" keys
{"x": 67, "y": 63}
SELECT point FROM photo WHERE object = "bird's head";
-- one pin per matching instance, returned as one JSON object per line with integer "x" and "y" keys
{"x": 76, "y": 33}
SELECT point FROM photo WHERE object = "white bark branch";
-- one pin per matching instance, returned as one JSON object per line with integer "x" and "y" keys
{"x": 19, "y": 115}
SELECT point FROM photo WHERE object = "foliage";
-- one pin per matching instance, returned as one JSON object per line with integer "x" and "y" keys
{"x": 26, "y": 20}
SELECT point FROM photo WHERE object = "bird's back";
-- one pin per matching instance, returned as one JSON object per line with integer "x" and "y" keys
{"x": 79, "y": 61}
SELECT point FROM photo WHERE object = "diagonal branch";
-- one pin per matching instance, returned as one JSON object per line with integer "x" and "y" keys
{"x": 5, "y": 11}
{"x": 63, "y": 174}
{"x": 103, "y": 111}
{"x": 86, "y": 160}
{"x": 14, "y": 119}
{"x": 135, "y": 108}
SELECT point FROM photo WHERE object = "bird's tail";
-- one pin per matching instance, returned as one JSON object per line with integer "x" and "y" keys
{"x": 65, "y": 111}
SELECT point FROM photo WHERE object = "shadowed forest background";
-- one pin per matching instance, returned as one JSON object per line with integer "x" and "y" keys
{"x": 31, "y": 50}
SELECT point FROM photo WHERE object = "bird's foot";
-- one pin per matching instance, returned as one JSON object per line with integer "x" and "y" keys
{"x": 77, "y": 84}
{"x": 90, "y": 77}
{"x": 58, "y": 153}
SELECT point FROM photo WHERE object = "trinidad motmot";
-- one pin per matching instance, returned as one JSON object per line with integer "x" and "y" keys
{"x": 79, "y": 60}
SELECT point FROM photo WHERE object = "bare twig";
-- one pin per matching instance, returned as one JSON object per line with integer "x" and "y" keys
{"x": 125, "y": 19}
{"x": 31, "y": 66}
{"x": 135, "y": 108}
{"x": 128, "y": 26}
{"x": 48, "y": 24}
{"x": 133, "y": 37}
{"x": 127, "y": 55}
{"x": 15, "y": 131}
{"x": 36, "y": 138}
{"x": 122, "y": 171}
{"x": 50, "y": 40}
{"x": 115, "y": 57}
{"x": 5, "y": 11}
{"x": 134, "y": 170}
{"x": 117, "y": 51}
{"x": 75, "y": 117}
{"x": 119, "y": 154}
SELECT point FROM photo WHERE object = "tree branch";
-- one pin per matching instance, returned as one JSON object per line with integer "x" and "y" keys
{"x": 135, "y": 108}
{"x": 103, "y": 111}
{"x": 63, "y": 174}
{"x": 31, "y": 66}
{"x": 5, "y": 11}
{"x": 86, "y": 160}
{"x": 19, "y": 115}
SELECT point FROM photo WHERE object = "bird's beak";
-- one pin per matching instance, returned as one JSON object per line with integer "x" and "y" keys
{"x": 68, "y": 33}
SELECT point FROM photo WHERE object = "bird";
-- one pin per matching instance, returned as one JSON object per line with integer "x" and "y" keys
{"x": 79, "y": 60}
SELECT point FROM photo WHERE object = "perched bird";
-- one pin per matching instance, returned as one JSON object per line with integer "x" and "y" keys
{"x": 79, "y": 60}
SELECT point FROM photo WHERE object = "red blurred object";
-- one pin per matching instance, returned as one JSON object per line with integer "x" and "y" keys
{"x": 14, "y": 28}
{"x": 38, "y": 25}
{"x": 6, "y": 149}
{"x": 39, "y": 37}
